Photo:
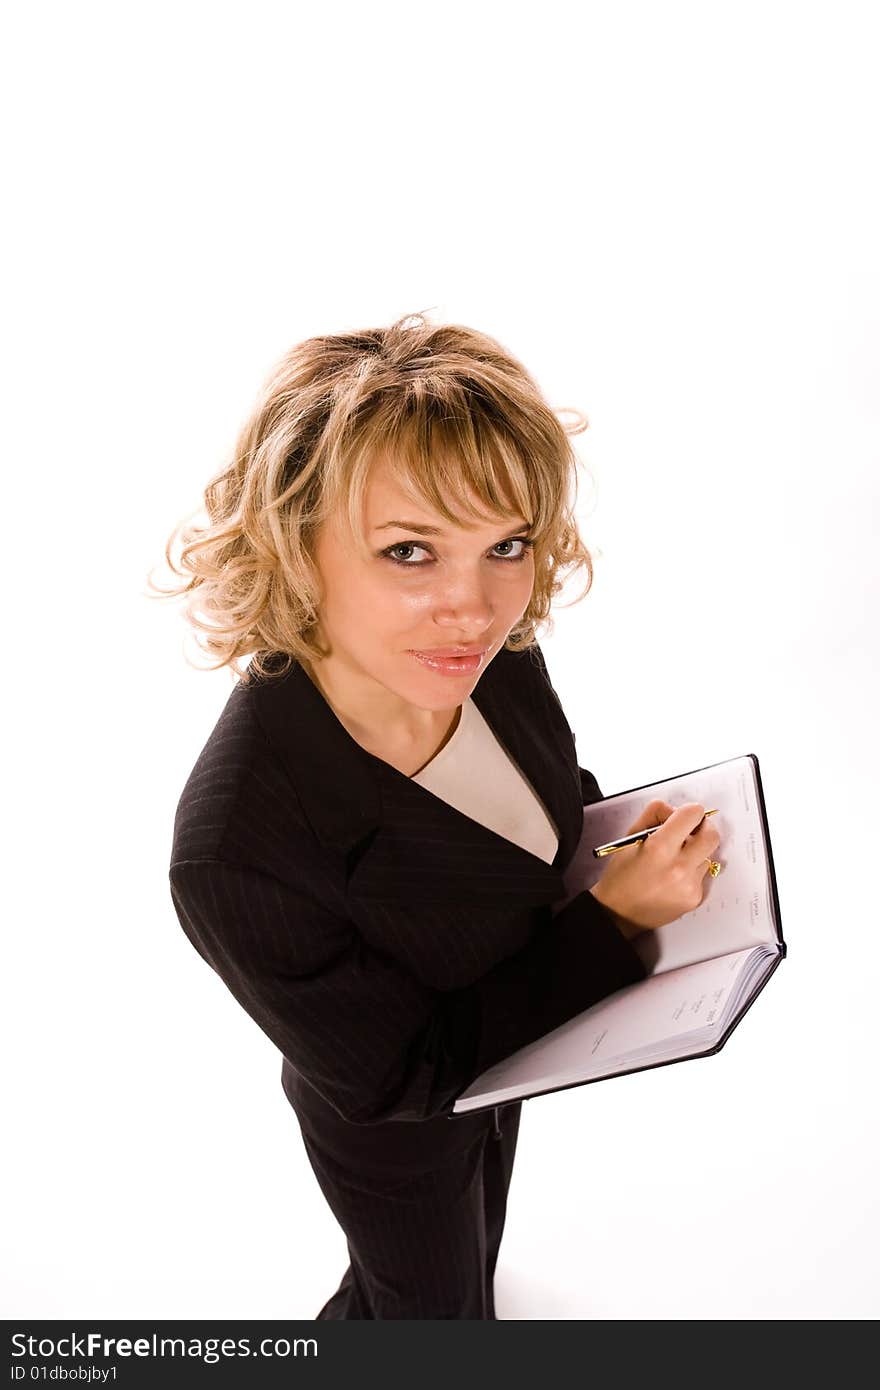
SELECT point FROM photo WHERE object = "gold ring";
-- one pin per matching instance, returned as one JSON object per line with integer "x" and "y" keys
{"x": 714, "y": 867}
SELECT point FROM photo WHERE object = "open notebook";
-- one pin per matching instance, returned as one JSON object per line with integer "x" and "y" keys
{"x": 706, "y": 968}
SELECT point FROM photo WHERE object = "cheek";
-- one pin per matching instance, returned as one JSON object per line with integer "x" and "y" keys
{"x": 518, "y": 588}
{"x": 378, "y": 599}
{"x": 387, "y": 600}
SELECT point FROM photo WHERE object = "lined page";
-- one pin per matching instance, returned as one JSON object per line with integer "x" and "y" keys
{"x": 639, "y": 1023}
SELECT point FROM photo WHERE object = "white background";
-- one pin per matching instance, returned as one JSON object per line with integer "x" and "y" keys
{"x": 669, "y": 212}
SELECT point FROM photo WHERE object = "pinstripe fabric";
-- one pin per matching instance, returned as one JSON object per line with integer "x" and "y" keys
{"x": 392, "y": 948}
{"x": 427, "y": 1245}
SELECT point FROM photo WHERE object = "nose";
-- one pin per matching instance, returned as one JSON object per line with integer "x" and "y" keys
{"x": 465, "y": 606}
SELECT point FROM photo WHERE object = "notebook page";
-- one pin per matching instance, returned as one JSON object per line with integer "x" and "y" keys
{"x": 736, "y": 911}
{"x": 632, "y": 1024}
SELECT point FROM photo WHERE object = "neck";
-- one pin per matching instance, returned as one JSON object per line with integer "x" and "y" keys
{"x": 378, "y": 718}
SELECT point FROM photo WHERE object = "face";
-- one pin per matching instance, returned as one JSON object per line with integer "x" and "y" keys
{"x": 417, "y": 591}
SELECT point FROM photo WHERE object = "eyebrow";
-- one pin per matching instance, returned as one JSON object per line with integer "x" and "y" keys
{"x": 429, "y": 530}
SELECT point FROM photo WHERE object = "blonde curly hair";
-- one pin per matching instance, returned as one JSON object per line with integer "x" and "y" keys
{"x": 448, "y": 409}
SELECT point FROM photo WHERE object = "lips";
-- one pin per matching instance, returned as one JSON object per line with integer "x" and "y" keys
{"x": 438, "y": 652}
{"x": 451, "y": 665}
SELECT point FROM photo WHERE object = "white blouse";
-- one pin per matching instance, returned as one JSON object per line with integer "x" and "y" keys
{"x": 473, "y": 773}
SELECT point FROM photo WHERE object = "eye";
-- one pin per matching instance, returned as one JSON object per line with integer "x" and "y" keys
{"x": 517, "y": 540}
{"x": 389, "y": 552}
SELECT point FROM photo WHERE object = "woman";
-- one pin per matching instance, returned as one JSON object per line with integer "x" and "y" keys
{"x": 370, "y": 844}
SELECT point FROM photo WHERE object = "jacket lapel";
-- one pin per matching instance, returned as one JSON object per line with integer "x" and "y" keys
{"x": 400, "y": 840}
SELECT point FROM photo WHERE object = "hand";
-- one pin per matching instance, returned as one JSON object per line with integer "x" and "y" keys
{"x": 647, "y": 885}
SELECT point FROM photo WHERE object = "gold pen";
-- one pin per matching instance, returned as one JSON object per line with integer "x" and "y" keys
{"x": 614, "y": 845}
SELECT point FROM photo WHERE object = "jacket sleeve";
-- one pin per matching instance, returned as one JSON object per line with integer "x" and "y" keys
{"x": 373, "y": 1040}
{"x": 589, "y": 787}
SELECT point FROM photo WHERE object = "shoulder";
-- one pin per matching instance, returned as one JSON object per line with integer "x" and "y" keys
{"x": 517, "y": 669}
{"x": 237, "y": 802}
{"x": 525, "y": 673}
{"x": 530, "y": 663}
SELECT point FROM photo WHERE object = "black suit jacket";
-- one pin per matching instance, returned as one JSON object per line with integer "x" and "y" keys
{"x": 390, "y": 946}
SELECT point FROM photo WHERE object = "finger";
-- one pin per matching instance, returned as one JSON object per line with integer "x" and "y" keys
{"x": 655, "y": 813}
{"x": 701, "y": 843}
{"x": 683, "y": 821}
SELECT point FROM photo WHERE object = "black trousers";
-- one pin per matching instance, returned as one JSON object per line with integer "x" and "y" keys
{"x": 421, "y": 1244}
